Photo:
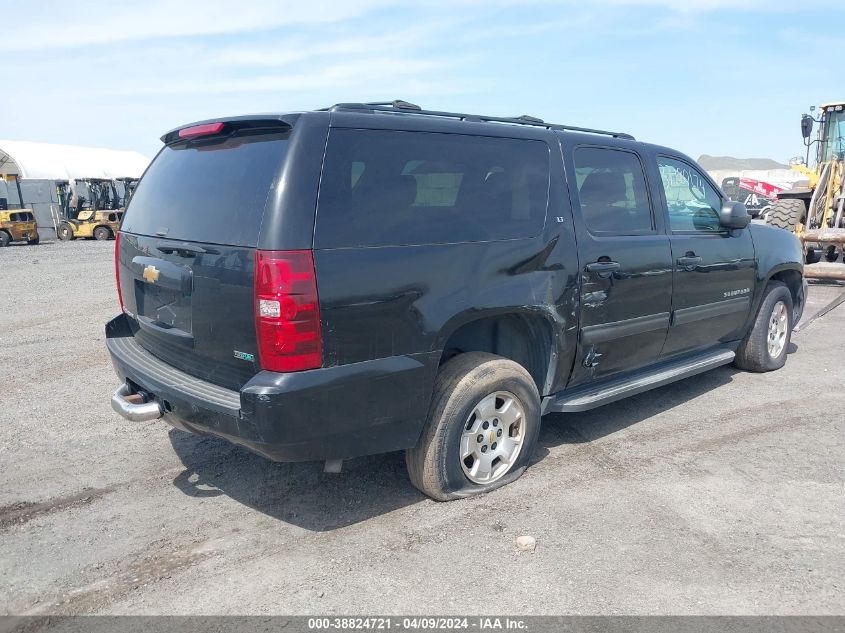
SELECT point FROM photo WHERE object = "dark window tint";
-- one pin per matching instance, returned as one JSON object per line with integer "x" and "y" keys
{"x": 208, "y": 191}
{"x": 612, "y": 191}
{"x": 693, "y": 203}
{"x": 387, "y": 188}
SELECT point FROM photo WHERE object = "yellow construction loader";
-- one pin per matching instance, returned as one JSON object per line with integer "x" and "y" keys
{"x": 816, "y": 213}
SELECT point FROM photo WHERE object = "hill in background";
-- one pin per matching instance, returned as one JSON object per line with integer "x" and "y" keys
{"x": 712, "y": 163}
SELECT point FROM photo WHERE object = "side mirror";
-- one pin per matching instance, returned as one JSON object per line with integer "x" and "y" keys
{"x": 734, "y": 215}
{"x": 806, "y": 125}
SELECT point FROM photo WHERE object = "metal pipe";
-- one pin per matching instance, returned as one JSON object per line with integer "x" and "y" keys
{"x": 822, "y": 271}
{"x": 828, "y": 236}
{"x": 830, "y": 306}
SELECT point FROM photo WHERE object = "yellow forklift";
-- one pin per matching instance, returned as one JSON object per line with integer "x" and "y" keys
{"x": 127, "y": 188}
{"x": 16, "y": 225}
{"x": 92, "y": 211}
{"x": 816, "y": 213}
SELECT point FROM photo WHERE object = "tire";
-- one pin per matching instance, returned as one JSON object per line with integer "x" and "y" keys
{"x": 34, "y": 241}
{"x": 787, "y": 214}
{"x": 755, "y": 352}
{"x": 813, "y": 256}
{"x": 831, "y": 253}
{"x": 5, "y": 238}
{"x": 470, "y": 383}
{"x": 65, "y": 232}
{"x": 102, "y": 233}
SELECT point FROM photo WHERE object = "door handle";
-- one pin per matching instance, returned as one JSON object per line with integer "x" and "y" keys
{"x": 689, "y": 262}
{"x": 603, "y": 269}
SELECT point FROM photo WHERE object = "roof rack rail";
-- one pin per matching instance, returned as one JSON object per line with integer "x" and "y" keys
{"x": 405, "y": 107}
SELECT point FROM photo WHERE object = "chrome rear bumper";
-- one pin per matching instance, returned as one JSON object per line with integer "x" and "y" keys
{"x": 133, "y": 412}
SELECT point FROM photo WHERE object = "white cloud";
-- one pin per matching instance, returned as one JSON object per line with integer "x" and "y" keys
{"x": 30, "y": 26}
{"x": 299, "y": 49}
{"x": 55, "y": 24}
{"x": 373, "y": 72}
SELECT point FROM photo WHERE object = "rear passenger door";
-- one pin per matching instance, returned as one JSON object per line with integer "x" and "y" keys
{"x": 416, "y": 227}
{"x": 713, "y": 268}
{"x": 626, "y": 263}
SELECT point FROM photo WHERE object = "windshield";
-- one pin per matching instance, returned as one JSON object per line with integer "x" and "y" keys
{"x": 834, "y": 135}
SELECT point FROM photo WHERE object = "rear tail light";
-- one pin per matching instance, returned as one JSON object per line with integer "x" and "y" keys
{"x": 117, "y": 268}
{"x": 287, "y": 311}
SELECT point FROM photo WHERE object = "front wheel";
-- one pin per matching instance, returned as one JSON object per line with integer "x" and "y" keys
{"x": 764, "y": 347}
{"x": 482, "y": 428}
{"x": 65, "y": 232}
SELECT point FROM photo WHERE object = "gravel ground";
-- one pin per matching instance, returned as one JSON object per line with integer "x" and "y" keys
{"x": 721, "y": 494}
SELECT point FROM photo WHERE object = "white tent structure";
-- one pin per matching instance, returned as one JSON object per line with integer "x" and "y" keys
{"x": 46, "y": 161}
{"x": 36, "y": 168}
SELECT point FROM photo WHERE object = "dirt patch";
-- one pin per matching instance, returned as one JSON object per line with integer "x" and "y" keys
{"x": 23, "y": 511}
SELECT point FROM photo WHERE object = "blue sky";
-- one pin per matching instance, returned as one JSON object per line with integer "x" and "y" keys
{"x": 703, "y": 76}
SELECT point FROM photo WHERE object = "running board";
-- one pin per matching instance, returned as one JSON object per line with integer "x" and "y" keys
{"x": 583, "y": 399}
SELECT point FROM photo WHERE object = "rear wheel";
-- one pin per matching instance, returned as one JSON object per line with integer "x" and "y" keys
{"x": 787, "y": 214}
{"x": 102, "y": 233}
{"x": 482, "y": 428}
{"x": 65, "y": 232}
{"x": 5, "y": 238}
{"x": 764, "y": 347}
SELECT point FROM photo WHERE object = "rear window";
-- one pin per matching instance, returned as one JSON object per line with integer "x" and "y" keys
{"x": 208, "y": 191}
{"x": 383, "y": 188}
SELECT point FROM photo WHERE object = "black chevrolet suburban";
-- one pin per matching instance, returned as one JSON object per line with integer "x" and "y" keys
{"x": 376, "y": 277}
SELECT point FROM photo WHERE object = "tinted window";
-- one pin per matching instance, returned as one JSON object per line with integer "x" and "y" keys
{"x": 693, "y": 203}
{"x": 208, "y": 192}
{"x": 387, "y": 188}
{"x": 612, "y": 191}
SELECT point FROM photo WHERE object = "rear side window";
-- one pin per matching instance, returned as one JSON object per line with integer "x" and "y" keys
{"x": 212, "y": 191}
{"x": 382, "y": 188}
{"x": 612, "y": 191}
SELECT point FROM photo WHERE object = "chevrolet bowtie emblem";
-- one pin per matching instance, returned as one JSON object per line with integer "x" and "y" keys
{"x": 151, "y": 273}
